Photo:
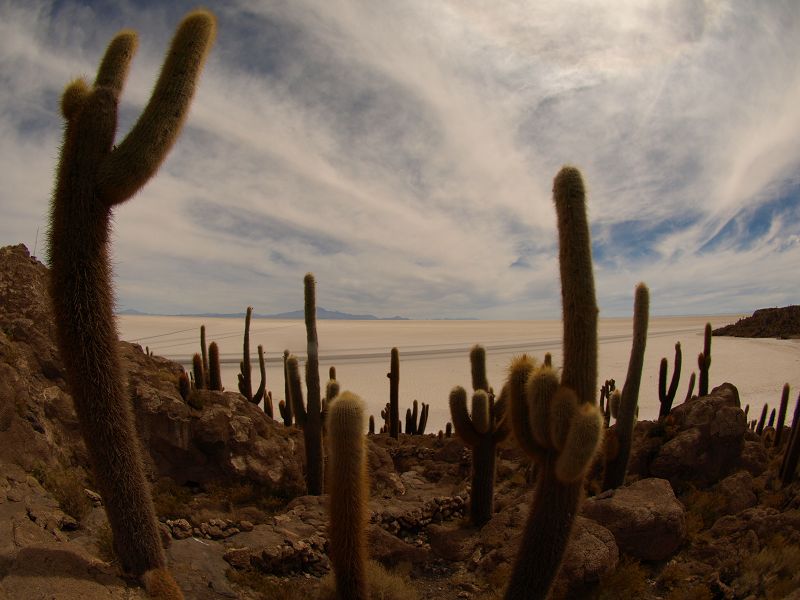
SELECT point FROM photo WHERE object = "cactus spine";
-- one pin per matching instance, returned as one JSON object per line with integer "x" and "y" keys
{"x": 617, "y": 465}
{"x": 349, "y": 495}
{"x": 93, "y": 176}
{"x": 667, "y": 396}
{"x": 574, "y": 431}
{"x": 704, "y": 362}
{"x": 394, "y": 393}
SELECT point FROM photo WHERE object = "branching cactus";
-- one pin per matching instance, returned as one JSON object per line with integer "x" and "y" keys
{"x": 704, "y": 362}
{"x": 558, "y": 423}
{"x": 417, "y": 419}
{"x": 94, "y": 175}
{"x": 349, "y": 495}
{"x": 667, "y": 396}
{"x": 617, "y": 464}
{"x": 245, "y": 370}
{"x": 481, "y": 432}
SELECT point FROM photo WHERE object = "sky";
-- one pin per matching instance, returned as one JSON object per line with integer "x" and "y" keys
{"x": 404, "y": 152}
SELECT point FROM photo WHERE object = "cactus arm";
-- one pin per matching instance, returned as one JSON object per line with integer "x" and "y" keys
{"x": 792, "y": 452}
{"x": 762, "y": 419}
{"x": 245, "y": 380}
{"x": 577, "y": 286}
{"x": 286, "y": 414}
{"x": 465, "y": 429}
{"x": 580, "y": 444}
{"x": 114, "y": 67}
{"x": 676, "y": 374}
{"x": 521, "y": 369}
{"x": 204, "y": 354}
{"x": 348, "y": 498}
{"x": 477, "y": 361}
{"x": 423, "y": 419}
{"x": 137, "y": 157}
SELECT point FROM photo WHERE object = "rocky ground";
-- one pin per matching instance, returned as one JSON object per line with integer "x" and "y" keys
{"x": 783, "y": 323}
{"x": 702, "y": 514}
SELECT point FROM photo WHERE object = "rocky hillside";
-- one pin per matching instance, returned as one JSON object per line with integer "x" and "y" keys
{"x": 781, "y": 323}
{"x": 702, "y": 514}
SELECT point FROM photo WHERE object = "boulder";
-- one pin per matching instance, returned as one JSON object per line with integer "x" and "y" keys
{"x": 707, "y": 441}
{"x": 737, "y": 491}
{"x": 646, "y": 519}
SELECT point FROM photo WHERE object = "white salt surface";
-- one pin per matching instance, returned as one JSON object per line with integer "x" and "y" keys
{"x": 434, "y": 355}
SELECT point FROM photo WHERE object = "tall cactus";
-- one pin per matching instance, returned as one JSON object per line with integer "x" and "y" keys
{"x": 94, "y": 175}
{"x": 285, "y": 407}
{"x": 349, "y": 496}
{"x": 394, "y": 393}
{"x": 704, "y": 362}
{"x": 791, "y": 455}
{"x": 617, "y": 465}
{"x": 245, "y": 380}
{"x": 667, "y": 396}
{"x": 204, "y": 355}
{"x": 558, "y": 423}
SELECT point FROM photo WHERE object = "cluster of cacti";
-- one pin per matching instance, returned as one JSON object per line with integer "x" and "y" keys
{"x": 704, "y": 362}
{"x": 667, "y": 396}
{"x": 788, "y": 468}
{"x": 206, "y": 372}
{"x": 348, "y": 496}
{"x": 394, "y": 393}
{"x": 417, "y": 419}
{"x": 94, "y": 175}
{"x": 309, "y": 417}
{"x": 558, "y": 423}
{"x": 481, "y": 430}
{"x": 617, "y": 462}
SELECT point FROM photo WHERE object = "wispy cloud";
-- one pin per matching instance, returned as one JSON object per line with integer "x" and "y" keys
{"x": 404, "y": 152}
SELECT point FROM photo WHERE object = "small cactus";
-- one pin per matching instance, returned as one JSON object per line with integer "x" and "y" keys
{"x": 215, "y": 371}
{"x": 184, "y": 385}
{"x": 667, "y": 396}
{"x": 762, "y": 420}
{"x": 781, "y": 415}
{"x": 704, "y": 362}
{"x": 197, "y": 371}
{"x": 349, "y": 494}
{"x": 285, "y": 408}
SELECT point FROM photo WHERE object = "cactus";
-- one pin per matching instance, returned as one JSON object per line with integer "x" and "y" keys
{"x": 690, "y": 389}
{"x": 565, "y": 441}
{"x": 245, "y": 370}
{"x": 204, "y": 354}
{"x": 417, "y": 419}
{"x": 448, "y": 429}
{"x": 481, "y": 433}
{"x": 394, "y": 393}
{"x": 667, "y": 396}
{"x": 704, "y": 362}
{"x": 477, "y": 363}
{"x": 781, "y": 415}
{"x": 332, "y": 373}
{"x": 184, "y": 385}
{"x": 762, "y": 420}
{"x": 268, "y": 406}
{"x": 771, "y": 421}
{"x": 348, "y": 497}
{"x": 94, "y": 175}
{"x": 197, "y": 371}
{"x": 606, "y": 391}
{"x": 285, "y": 408}
{"x": 371, "y": 425}
{"x": 617, "y": 465}
{"x": 215, "y": 371}
{"x": 792, "y": 453}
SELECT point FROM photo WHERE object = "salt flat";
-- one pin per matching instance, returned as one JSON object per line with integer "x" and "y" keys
{"x": 434, "y": 355}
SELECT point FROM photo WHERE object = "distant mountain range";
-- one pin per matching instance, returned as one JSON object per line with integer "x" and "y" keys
{"x": 322, "y": 313}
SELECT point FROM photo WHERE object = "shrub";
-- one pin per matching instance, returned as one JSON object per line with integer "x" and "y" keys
{"x": 67, "y": 487}
{"x": 383, "y": 585}
{"x": 628, "y": 581}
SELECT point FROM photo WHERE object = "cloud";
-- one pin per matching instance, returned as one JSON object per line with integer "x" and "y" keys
{"x": 404, "y": 152}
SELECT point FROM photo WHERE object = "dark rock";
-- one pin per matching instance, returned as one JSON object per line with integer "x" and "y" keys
{"x": 647, "y": 521}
